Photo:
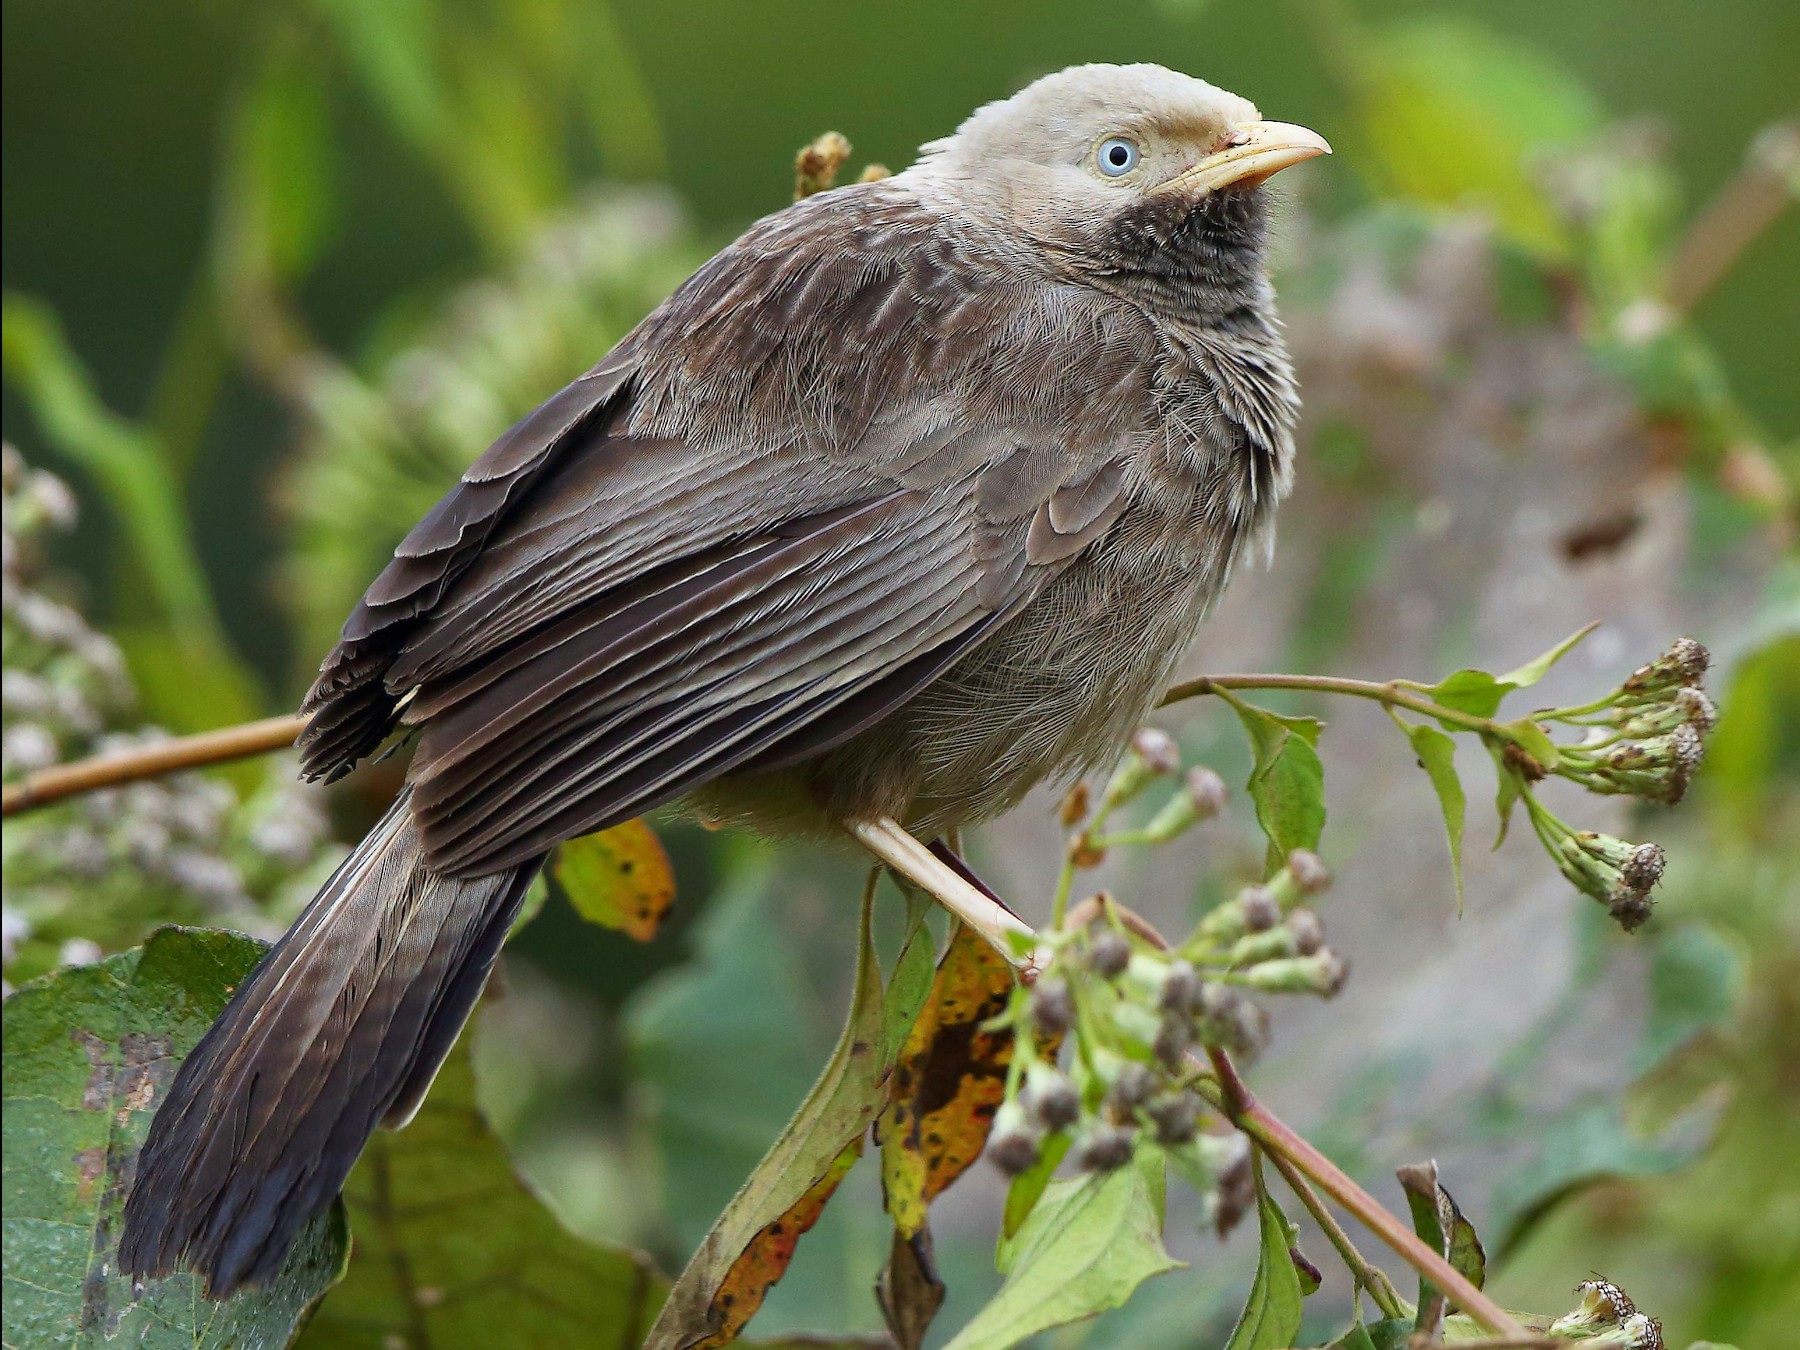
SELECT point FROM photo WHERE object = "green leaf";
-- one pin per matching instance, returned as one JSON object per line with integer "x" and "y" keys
{"x": 1089, "y": 1243}
{"x": 1437, "y": 756}
{"x": 454, "y": 1250}
{"x": 1534, "y": 741}
{"x": 1029, "y": 1186}
{"x": 1272, "y": 1313}
{"x": 1452, "y": 113}
{"x": 747, "y": 1248}
{"x": 1534, "y": 670}
{"x": 1479, "y": 694}
{"x": 1472, "y": 691}
{"x": 1442, "y": 1227}
{"x": 88, "y": 1052}
{"x": 1287, "y": 783}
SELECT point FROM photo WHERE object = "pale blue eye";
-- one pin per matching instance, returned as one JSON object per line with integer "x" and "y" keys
{"x": 1117, "y": 156}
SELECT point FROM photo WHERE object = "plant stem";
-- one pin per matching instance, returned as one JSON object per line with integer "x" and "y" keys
{"x": 1257, "y": 1121}
{"x": 1370, "y": 1277}
{"x": 1389, "y": 693}
{"x": 148, "y": 761}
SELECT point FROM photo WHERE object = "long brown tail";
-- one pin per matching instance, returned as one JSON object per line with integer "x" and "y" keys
{"x": 342, "y": 1027}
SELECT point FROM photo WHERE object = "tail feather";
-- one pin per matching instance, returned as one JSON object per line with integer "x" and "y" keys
{"x": 342, "y": 1027}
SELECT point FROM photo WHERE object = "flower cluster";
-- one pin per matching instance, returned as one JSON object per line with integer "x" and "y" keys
{"x": 1136, "y": 1010}
{"x": 1607, "y": 1319}
{"x": 93, "y": 874}
{"x": 1644, "y": 739}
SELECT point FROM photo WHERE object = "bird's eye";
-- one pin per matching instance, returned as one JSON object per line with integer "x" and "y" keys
{"x": 1117, "y": 156}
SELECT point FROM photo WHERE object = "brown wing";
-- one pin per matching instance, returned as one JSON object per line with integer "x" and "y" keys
{"x": 833, "y": 462}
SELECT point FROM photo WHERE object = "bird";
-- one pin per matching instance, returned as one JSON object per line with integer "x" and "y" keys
{"x": 908, "y": 500}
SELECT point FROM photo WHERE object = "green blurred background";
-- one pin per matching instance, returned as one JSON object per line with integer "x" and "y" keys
{"x": 276, "y": 270}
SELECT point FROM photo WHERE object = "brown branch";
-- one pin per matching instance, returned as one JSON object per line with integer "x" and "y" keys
{"x": 148, "y": 761}
{"x": 1257, "y": 1121}
{"x": 1736, "y": 218}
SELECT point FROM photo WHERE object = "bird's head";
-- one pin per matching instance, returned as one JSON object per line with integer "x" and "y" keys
{"x": 1121, "y": 168}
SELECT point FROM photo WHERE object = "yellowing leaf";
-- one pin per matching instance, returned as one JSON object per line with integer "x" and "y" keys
{"x": 948, "y": 1081}
{"x": 749, "y": 1245}
{"x": 619, "y": 878}
{"x": 766, "y": 1258}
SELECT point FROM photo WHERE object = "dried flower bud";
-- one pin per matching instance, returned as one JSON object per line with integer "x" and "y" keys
{"x": 1012, "y": 1143}
{"x": 1104, "y": 1148}
{"x": 1074, "y": 807}
{"x": 1684, "y": 663}
{"x": 1236, "y": 1192}
{"x": 1173, "y": 1038}
{"x": 1206, "y": 790}
{"x": 1308, "y": 931}
{"x": 1323, "y": 973}
{"x": 1261, "y": 910}
{"x": 1308, "y": 870}
{"x": 1108, "y": 954}
{"x": 1052, "y": 1007}
{"x": 1152, "y": 753}
{"x": 1615, "y": 872}
{"x": 1180, "y": 987}
{"x": 1603, "y": 1305}
{"x": 1231, "y": 1021}
{"x": 1176, "y": 1117}
{"x": 1050, "y": 1098}
{"x": 1699, "y": 710}
{"x": 1202, "y": 796}
{"x": 1131, "y": 1087}
{"x": 1157, "y": 749}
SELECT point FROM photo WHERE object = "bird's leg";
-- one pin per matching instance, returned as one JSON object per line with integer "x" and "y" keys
{"x": 887, "y": 840}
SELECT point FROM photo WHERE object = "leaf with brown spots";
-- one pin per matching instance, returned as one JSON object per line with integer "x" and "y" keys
{"x": 619, "y": 878}
{"x": 89, "y": 1051}
{"x": 752, "y": 1242}
{"x": 948, "y": 1081}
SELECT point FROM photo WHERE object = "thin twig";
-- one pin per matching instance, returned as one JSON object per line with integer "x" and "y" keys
{"x": 1390, "y": 694}
{"x": 148, "y": 761}
{"x": 277, "y": 733}
{"x": 1369, "y": 1276}
{"x": 1744, "y": 209}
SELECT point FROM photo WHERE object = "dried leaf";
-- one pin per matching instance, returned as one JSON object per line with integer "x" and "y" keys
{"x": 1441, "y": 1225}
{"x": 949, "y": 1079}
{"x": 909, "y": 1289}
{"x": 619, "y": 878}
{"x": 765, "y": 1260}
